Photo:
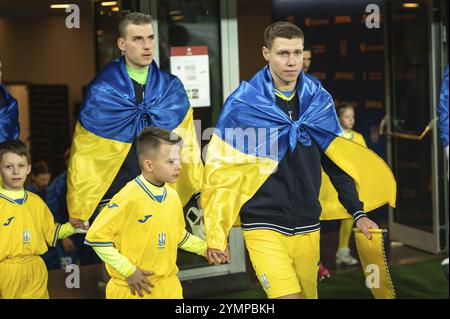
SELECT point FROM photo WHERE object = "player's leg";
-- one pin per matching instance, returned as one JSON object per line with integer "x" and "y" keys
{"x": 306, "y": 259}
{"x": 24, "y": 278}
{"x": 271, "y": 259}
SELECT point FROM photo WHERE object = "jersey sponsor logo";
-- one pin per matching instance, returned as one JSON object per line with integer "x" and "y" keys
{"x": 9, "y": 221}
{"x": 162, "y": 237}
{"x": 26, "y": 236}
{"x": 265, "y": 281}
{"x": 112, "y": 205}
{"x": 143, "y": 220}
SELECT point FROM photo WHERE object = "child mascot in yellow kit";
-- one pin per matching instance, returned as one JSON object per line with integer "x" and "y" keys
{"x": 26, "y": 228}
{"x": 137, "y": 235}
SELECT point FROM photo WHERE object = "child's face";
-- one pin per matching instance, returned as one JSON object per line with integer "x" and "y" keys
{"x": 165, "y": 164}
{"x": 41, "y": 180}
{"x": 347, "y": 119}
{"x": 14, "y": 170}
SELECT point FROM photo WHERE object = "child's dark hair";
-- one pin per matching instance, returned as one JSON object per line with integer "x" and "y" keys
{"x": 40, "y": 168}
{"x": 151, "y": 139}
{"x": 14, "y": 146}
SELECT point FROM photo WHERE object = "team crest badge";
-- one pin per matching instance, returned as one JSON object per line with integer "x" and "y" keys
{"x": 162, "y": 237}
{"x": 265, "y": 281}
{"x": 26, "y": 236}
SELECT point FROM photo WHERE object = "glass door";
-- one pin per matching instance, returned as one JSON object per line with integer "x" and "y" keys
{"x": 414, "y": 152}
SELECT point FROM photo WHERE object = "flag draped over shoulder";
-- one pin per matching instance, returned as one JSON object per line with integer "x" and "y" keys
{"x": 109, "y": 121}
{"x": 9, "y": 117}
{"x": 251, "y": 138}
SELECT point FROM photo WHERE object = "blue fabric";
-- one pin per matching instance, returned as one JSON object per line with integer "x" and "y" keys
{"x": 266, "y": 130}
{"x": 110, "y": 109}
{"x": 9, "y": 117}
{"x": 442, "y": 109}
{"x": 56, "y": 198}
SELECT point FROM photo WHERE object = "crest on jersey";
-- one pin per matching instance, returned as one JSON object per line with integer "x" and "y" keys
{"x": 162, "y": 237}
{"x": 265, "y": 281}
{"x": 26, "y": 236}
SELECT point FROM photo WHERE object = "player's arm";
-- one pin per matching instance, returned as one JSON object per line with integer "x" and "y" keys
{"x": 348, "y": 195}
{"x": 54, "y": 231}
{"x": 193, "y": 244}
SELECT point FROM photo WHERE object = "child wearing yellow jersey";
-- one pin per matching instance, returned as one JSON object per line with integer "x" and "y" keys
{"x": 346, "y": 114}
{"x": 137, "y": 235}
{"x": 26, "y": 228}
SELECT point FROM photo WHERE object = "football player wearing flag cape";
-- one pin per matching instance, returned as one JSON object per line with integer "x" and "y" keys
{"x": 263, "y": 170}
{"x": 128, "y": 94}
{"x": 9, "y": 114}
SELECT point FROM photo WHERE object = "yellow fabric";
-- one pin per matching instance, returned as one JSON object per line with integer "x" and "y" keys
{"x": 165, "y": 288}
{"x": 374, "y": 180}
{"x": 12, "y": 193}
{"x": 355, "y": 137}
{"x": 65, "y": 231}
{"x": 371, "y": 252}
{"x": 112, "y": 257}
{"x": 23, "y": 278}
{"x": 155, "y": 190}
{"x": 231, "y": 178}
{"x": 26, "y": 229}
{"x": 190, "y": 180}
{"x": 193, "y": 244}
{"x": 95, "y": 161}
{"x": 345, "y": 232}
{"x": 142, "y": 229}
{"x": 90, "y": 175}
{"x": 284, "y": 97}
{"x": 285, "y": 264}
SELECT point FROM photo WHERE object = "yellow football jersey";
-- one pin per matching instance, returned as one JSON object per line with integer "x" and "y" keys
{"x": 26, "y": 228}
{"x": 355, "y": 137}
{"x": 142, "y": 226}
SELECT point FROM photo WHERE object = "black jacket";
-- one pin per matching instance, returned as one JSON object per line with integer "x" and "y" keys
{"x": 288, "y": 201}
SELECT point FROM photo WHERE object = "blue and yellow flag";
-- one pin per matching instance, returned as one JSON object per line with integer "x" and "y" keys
{"x": 9, "y": 117}
{"x": 251, "y": 138}
{"x": 110, "y": 119}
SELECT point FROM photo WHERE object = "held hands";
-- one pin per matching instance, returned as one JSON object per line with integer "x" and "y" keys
{"x": 217, "y": 256}
{"x": 80, "y": 226}
{"x": 364, "y": 224}
{"x": 138, "y": 282}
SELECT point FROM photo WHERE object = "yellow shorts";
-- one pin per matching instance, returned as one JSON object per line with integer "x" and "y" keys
{"x": 168, "y": 288}
{"x": 285, "y": 264}
{"x": 23, "y": 278}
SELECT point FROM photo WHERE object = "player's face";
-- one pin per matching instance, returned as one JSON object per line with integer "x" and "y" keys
{"x": 306, "y": 60}
{"x": 166, "y": 163}
{"x": 347, "y": 119}
{"x": 285, "y": 60}
{"x": 41, "y": 180}
{"x": 14, "y": 170}
{"x": 137, "y": 45}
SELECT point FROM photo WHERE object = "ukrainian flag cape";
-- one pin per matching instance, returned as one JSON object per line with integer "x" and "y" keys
{"x": 251, "y": 138}
{"x": 9, "y": 117}
{"x": 110, "y": 120}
